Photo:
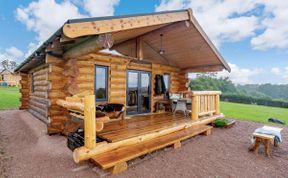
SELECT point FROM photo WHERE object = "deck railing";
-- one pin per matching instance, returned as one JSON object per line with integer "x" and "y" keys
{"x": 204, "y": 103}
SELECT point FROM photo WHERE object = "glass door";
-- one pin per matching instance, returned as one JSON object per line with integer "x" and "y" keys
{"x": 138, "y": 92}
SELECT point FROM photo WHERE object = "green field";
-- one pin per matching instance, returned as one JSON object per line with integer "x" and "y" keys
{"x": 9, "y": 98}
{"x": 253, "y": 112}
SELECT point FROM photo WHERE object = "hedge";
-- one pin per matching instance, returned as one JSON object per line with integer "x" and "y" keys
{"x": 237, "y": 98}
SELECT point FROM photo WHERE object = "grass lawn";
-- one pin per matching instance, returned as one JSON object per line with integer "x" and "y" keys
{"x": 253, "y": 112}
{"x": 9, "y": 98}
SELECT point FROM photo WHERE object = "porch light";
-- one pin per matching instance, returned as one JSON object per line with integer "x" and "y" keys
{"x": 161, "y": 51}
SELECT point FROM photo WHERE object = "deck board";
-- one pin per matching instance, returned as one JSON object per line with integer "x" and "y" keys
{"x": 139, "y": 125}
{"x": 111, "y": 158}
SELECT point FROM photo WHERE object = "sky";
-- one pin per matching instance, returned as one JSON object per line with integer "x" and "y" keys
{"x": 251, "y": 35}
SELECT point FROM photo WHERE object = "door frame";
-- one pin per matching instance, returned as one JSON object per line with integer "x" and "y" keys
{"x": 139, "y": 98}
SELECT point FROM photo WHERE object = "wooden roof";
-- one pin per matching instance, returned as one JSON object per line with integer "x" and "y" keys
{"x": 184, "y": 42}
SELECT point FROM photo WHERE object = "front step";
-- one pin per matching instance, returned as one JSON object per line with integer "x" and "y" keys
{"x": 115, "y": 160}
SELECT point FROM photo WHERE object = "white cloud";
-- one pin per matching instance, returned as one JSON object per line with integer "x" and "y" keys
{"x": 45, "y": 16}
{"x": 240, "y": 75}
{"x": 275, "y": 24}
{"x": 226, "y": 20}
{"x": 276, "y": 71}
{"x": 13, "y": 51}
{"x": 11, "y": 54}
{"x": 97, "y": 8}
{"x": 219, "y": 19}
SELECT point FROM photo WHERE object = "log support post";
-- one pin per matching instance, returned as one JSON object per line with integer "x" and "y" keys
{"x": 89, "y": 122}
{"x": 217, "y": 105}
{"x": 194, "y": 113}
{"x": 177, "y": 145}
{"x": 139, "y": 48}
{"x": 118, "y": 168}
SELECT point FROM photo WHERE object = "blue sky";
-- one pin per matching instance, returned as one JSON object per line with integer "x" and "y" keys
{"x": 250, "y": 34}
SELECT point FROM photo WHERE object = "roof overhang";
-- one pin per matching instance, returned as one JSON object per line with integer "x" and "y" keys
{"x": 185, "y": 43}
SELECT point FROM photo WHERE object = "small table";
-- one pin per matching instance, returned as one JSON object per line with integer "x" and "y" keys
{"x": 265, "y": 139}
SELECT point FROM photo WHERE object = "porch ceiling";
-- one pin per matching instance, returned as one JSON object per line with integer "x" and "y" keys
{"x": 183, "y": 45}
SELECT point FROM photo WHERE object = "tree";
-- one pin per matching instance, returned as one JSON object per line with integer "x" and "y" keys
{"x": 8, "y": 65}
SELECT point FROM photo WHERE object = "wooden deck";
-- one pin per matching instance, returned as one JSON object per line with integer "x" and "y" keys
{"x": 140, "y": 125}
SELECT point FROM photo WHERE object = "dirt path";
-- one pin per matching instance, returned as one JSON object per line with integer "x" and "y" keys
{"x": 29, "y": 152}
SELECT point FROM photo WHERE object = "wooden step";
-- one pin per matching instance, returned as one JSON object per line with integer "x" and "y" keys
{"x": 121, "y": 155}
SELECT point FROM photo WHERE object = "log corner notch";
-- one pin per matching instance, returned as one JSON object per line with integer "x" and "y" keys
{"x": 92, "y": 44}
{"x": 25, "y": 91}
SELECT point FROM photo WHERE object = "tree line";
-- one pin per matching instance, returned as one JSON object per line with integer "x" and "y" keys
{"x": 260, "y": 94}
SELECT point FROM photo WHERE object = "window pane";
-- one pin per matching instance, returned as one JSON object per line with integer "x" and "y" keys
{"x": 101, "y": 83}
{"x": 166, "y": 78}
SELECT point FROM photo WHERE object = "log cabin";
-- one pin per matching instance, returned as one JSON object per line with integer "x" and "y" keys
{"x": 9, "y": 78}
{"x": 137, "y": 61}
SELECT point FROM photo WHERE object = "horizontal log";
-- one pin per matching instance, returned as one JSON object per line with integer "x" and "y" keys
{"x": 39, "y": 116}
{"x": 40, "y": 100}
{"x": 118, "y": 86}
{"x": 56, "y": 94}
{"x": 86, "y": 85}
{"x": 37, "y": 104}
{"x": 55, "y": 69}
{"x": 96, "y": 43}
{"x": 41, "y": 83}
{"x": 41, "y": 88}
{"x": 54, "y": 60}
{"x": 59, "y": 119}
{"x": 42, "y": 112}
{"x": 40, "y": 94}
{"x": 57, "y": 86}
{"x": 55, "y": 78}
{"x": 86, "y": 71}
{"x": 118, "y": 80}
{"x": 40, "y": 72}
{"x": 71, "y": 105}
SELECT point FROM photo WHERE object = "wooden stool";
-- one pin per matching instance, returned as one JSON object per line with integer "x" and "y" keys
{"x": 266, "y": 140}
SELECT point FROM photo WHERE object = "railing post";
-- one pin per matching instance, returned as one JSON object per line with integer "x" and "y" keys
{"x": 217, "y": 104}
{"x": 89, "y": 122}
{"x": 194, "y": 112}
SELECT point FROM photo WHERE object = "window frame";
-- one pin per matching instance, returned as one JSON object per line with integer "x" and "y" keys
{"x": 106, "y": 82}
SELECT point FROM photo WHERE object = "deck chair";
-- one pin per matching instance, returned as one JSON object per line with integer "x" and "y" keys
{"x": 181, "y": 106}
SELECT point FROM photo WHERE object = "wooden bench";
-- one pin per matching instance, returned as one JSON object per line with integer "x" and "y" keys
{"x": 266, "y": 140}
{"x": 115, "y": 160}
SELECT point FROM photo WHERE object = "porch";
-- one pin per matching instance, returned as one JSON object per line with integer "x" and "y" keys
{"x": 138, "y": 135}
{"x": 145, "y": 124}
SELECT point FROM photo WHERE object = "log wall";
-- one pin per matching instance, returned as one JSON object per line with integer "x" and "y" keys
{"x": 61, "y": 78}
{"x": 58, "y": 116}
{"x": 38, "y": 97}
{"x": 116, "y": 75}
{"x": 118, "y": 67}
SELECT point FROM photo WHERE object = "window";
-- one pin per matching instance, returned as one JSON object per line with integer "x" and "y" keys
{"x": 101, "y": 83}
{"x": 166, "y": 78}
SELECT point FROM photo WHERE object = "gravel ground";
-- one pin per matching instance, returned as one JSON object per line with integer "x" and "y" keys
{"x": 26, "y": 151}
